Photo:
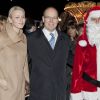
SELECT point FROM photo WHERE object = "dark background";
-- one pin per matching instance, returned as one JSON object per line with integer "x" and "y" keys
{"x": 34, "y": 8}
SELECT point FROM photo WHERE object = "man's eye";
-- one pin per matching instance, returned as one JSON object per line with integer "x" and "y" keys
{"x": 16, "y": 17}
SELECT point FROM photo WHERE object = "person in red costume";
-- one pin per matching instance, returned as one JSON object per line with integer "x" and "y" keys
{"x": 86, "y": 68}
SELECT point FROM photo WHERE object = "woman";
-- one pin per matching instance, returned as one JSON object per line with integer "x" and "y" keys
{"x": 13, "y": 57}
{"x": 71, "y": 31}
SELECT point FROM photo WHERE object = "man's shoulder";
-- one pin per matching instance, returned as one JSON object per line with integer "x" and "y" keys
{"x": 64, "y": 36}
{"x": 66, "y": 39}
{"x": 35, "y": 33}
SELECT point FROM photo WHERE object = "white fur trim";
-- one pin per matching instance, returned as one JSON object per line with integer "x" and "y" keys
{"x": 90, "y": 95}
{"x": 95, "y": 14}
{"x": 98, "y": 63}
{"x": 83, "y": 43}
{"x": 76, "y": 96}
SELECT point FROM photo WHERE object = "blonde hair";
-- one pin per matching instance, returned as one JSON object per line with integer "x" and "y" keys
{"x": 15, "y": 8}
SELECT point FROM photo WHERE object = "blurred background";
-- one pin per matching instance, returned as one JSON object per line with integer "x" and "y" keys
{"x": 34, "y": 8}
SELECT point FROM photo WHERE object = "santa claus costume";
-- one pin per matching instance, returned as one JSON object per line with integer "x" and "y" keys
{"x": 86, "y": 68}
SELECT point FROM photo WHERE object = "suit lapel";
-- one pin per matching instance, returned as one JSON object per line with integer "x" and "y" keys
{"x": 43, "y": 41}
{"x": 46, "y": 45}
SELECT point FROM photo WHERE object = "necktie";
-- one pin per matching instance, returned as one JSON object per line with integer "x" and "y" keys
{"x": 52, "y": 40}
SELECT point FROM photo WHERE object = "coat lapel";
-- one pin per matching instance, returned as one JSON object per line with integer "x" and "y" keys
{"x": 51, "y": 53}
{"x": 9, "y": 37}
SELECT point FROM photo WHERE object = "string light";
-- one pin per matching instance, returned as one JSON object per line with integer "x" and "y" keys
{"x": 79, "y": 9}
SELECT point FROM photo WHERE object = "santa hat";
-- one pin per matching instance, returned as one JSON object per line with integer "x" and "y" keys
{"x": 93, "y": 12}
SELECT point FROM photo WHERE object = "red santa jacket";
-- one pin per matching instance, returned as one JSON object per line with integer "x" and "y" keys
{"x": 84, "y": 61}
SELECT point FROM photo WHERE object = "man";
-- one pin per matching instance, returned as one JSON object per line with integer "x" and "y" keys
{"x": 47, "y": 79}
{"x": 86, "y": 71}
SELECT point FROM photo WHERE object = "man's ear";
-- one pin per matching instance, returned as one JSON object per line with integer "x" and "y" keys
{"x": 43, "y": 19}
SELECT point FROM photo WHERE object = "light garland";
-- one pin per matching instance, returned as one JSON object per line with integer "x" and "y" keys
{"x": 79, "y": 9}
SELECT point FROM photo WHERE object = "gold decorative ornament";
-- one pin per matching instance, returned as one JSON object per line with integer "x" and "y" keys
{"x": 79, "y": 9}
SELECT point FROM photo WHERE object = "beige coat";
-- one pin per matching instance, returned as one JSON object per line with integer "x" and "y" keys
{"x": 13, "y": 64}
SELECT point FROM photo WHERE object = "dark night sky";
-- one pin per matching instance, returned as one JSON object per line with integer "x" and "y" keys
{"x": 33, "y": 8}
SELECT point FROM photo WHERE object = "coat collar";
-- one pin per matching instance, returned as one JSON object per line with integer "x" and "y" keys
{"x": 41, "y": 33}
{"x": 15, "y": 37}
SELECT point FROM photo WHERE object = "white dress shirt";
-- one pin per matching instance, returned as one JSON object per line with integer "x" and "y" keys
{"x": 48, "y": 36}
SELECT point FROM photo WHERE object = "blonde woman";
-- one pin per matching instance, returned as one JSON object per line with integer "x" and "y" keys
{"x": 13, "y": 57}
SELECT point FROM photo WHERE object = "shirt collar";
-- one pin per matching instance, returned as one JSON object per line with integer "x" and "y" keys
{"x": 47, "y": 34}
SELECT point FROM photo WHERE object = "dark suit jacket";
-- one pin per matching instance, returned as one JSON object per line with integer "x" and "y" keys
{"x": 47, "y": 79}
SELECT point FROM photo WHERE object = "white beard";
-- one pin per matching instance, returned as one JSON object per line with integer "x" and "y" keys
{"x": 93, "y": 33}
